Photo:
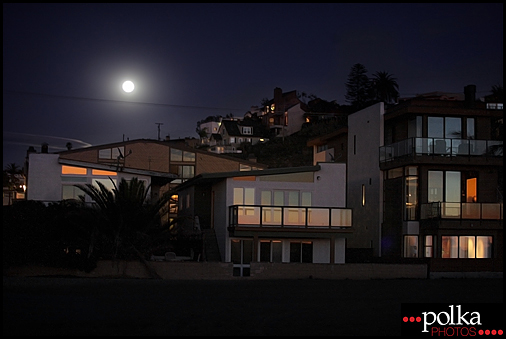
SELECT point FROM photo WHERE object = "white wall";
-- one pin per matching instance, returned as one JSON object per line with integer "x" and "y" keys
{"x": 321, "y": 251}
{"x": 340, "y": 251}
{"x": 330, "y": 188}
{"x": 365, "y": 136}
{"x": 44, "y": 177}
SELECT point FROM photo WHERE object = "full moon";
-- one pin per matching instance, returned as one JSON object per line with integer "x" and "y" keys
{"x": 128, "y": 86}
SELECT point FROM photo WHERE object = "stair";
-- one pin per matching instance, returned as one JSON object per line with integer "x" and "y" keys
{"x": 211, "y": 249}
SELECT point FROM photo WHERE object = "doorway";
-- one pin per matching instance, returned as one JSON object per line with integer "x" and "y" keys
{"x": 241, "y": 256}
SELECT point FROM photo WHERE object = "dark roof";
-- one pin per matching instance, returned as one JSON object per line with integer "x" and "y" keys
{"x": 216, "y": 136}
{"x": 205, "y": 178}
{"x": 233, "y": 128}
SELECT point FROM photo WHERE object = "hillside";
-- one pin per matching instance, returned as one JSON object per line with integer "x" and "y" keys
{"x": 291, "y": 151}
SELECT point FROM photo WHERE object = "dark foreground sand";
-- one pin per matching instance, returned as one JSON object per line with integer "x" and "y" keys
{"x": 92, "y": 306}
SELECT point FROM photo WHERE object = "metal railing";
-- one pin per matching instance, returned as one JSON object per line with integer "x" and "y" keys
{"x": 464, "y": 210}
{"x": 290, "y": 217}
{"x": 441, "y": 146}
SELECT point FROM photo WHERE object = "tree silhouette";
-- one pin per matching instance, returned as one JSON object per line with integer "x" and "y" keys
{"x": 497, "y": 94}
{"x": 127, "y": 222}
{"x": 384, "y": 88}
{"x": 11, "y": 175}
{"x": 358, "y": 87}
{"x": 12, "y": 168}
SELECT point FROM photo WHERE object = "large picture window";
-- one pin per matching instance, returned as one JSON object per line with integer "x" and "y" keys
{"x": 445, "y": 186}
{"x": 466, "y": 246}
{"x": 246, "y": 196}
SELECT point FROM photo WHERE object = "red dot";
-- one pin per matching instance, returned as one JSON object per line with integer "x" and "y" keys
{"x": 487, "y": 332}
{"x": 411, "y": 319}
{"x": 418, "y": 319}
{"x": 499, "y": 332}
{"x": 480, "y": 332}
{"x": 405, "y": 319}
{"x": 493, "y": 332}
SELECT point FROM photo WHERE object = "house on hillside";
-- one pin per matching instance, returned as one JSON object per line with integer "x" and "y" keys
{"x": 233, "y": 134}
{"x": 425, "y": 180}
{"x": 284, "y": 114}
{"x": 283, "y": 215}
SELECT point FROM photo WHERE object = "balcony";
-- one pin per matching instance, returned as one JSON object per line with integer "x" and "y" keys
{"x": 442, "y": 148}
{"x": 290, "y": 218}
{"x": 457, "y": 210}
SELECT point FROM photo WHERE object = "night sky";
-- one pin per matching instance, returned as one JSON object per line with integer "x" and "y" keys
{"x": 63, "y": 64}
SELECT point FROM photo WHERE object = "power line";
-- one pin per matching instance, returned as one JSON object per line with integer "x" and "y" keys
{"x": 119, "y": 101}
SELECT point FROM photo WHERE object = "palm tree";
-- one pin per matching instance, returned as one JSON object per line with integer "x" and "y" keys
{"x": 11, "y": 179}
{"x": 384, "y": 88}
{"x": 127, "y": 222}
{"x": 12, "y": 168}
{"x": 497, "y": 94}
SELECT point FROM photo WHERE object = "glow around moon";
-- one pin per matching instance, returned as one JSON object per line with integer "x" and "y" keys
{"x": 128, "y": 86}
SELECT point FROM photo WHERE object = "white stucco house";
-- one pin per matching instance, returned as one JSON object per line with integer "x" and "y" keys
{"x": 52, "y": 179}
{"x": 284, "y": 215}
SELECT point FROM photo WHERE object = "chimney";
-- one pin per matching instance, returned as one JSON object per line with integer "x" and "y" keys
{"x": 31, "y": 149}
{"x": 44, "y": 148}
{"x": 470, "y": 95}
{"x": 278, "y": 96}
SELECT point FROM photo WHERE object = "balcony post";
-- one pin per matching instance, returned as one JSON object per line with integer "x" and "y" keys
{"x": 332, "y": 249}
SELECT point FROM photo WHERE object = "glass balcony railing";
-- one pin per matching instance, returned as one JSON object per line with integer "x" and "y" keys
{"x": 290, "y": 217}
{"x": 457, "y": 210}
{"x": 441, "y": 146}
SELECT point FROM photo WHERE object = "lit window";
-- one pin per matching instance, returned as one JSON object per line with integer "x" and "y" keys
{"x": 449, "y": 247}
{"x": 411, "y": 246}
{"x": 73, "y": 170}
{"x": 173, "y": 204}
{"x": 492, "y": 105}
{"x": 429, "y": 246}
{"x": 247, "y": 130}
{"x": 102, "y": 172}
